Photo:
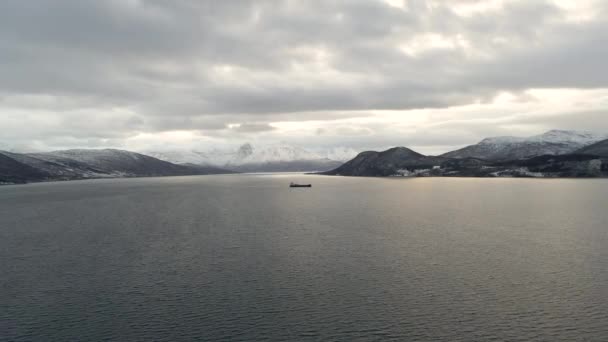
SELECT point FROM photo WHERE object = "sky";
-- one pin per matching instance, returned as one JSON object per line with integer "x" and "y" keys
{"x": 430, "y": 75}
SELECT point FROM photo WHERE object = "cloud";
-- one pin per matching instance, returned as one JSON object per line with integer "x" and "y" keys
{"x": 251, "y": 127}
{"x": 360, "y": 73}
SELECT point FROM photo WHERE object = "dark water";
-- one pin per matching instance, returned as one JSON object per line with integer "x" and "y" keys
{"x": 246, "y": 258}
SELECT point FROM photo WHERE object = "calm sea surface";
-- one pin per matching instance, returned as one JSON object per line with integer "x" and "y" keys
{"x": 245, "y": 258}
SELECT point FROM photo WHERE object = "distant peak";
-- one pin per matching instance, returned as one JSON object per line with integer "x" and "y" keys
{"x": 245, "y": 150}
{"x": 559, "y": 135}
{"x": 500, "y": 140}
{"x": 563, "y": 132}
{"x": 554, "y": 135}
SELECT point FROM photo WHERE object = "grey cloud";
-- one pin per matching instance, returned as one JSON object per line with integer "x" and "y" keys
{"x": 161, "y": 61}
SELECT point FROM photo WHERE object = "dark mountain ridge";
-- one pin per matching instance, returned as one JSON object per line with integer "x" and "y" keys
{"x": 12, "y": 171}
{"x": 401, "y": 161}
{"x": 556, "y": 153}
{"x": 387, "y": 163}
{"x": 597, "y": 149}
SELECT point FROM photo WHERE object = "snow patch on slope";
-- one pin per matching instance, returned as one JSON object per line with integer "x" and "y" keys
{"x": 554, "y": 136}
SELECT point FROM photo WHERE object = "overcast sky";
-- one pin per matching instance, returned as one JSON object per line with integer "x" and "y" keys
{"x": 431, "y": 75}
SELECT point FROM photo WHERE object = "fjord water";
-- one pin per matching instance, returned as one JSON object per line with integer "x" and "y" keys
{"x": 244, "y": 258}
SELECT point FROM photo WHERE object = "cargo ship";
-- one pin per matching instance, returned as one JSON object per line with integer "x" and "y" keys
{"x": 294, "y": 185}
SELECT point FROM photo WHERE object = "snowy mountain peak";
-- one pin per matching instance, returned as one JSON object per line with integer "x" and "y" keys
{"x": 565, "y": 136}
{"x": 342, "y": 154}
{"x": 501, "y": 140}
{"x": 244, "y": 151}
{"x": 553, "y": 136}
{"x": 271, "y": 153}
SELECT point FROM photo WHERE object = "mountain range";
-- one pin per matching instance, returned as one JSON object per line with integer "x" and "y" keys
{"x": 265, "y": 158}
{"x": 89, "y": 163}
{"x": 555, "y": 153}
{"x": 552, "y": 154}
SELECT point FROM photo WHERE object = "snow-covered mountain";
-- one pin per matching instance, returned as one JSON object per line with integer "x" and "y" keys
{"x": 247, "y": 154}
{"x": 182, "y": 156}
{"x": 555, "y": 142}
{"x": 89, "y": 163}
{"x": 342, "y": 154}
{"x": 263, "y": 158}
